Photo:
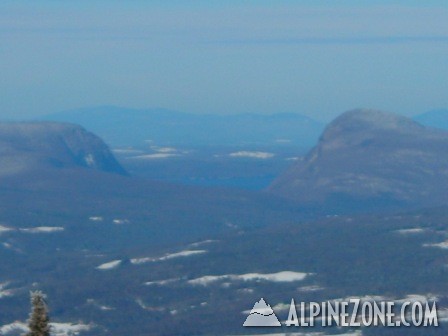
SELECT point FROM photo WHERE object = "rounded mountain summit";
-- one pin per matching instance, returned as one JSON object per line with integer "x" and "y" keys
{"x": 367, "y": 158}
{"x": 27, "y": 147}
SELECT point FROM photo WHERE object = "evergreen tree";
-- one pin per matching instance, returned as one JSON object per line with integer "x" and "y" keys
{"x": 39, "y": 321}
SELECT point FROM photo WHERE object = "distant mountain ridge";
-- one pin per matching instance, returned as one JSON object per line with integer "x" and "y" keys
{"x": 131, "y": 127}
{"x": 434, "y": 118}
{"x": 371, "y": 157}
{"x": 30, "y": 146}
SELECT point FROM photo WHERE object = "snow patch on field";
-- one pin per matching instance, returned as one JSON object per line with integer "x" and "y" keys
{"x": 442, "y": 315}
{"x": 120, "y": 221}
{"x": 109, "y": 265}
{"x": 187, "y": 253}
{"x": 13, "y": 327}
{"x": 43, "y": 229}
{"x": 162, "y": 282}
{"x": 312, "y": 288}
{"x": 57, "y": 329}
{"x": 182, "y": 254}
{"x": 155, "y": 156}
{"x": 11, "y": 247}
{"x": 418, "y": 298}
{"x": 208, "y": 241}
{"x": 144, "y": 306}
{"x": 422, "y": 298}
{"x": 252, "y": 155}
{"x": 89, "y": 159}
{"x": 3, "y": 291}
{"x": 411, "y": 231}
{"x": 365, "y": 298}
{"x": 38, "y": 229}
{"x": 5, "y": 229}
{"x": 98, "y": 305}
{"x": 68, "y": 329}
{"x": 285, "y": 276}
{"x": 442, "y": 245}
{"x": 139, "y": 261}
{"x": 164, "y": 149}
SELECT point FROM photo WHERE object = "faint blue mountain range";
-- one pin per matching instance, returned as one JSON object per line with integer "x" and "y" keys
{"x": 131, "y": 127}
{"x": 434, "y": 118}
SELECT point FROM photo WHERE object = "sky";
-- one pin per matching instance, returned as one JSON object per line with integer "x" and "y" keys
{"x": 318, "y": 58}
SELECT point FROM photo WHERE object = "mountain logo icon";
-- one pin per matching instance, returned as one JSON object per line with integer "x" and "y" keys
{"x": 262, "y": 315}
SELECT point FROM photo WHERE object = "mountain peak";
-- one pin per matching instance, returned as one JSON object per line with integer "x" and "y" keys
{"x": 26, "y": 146}
{"x": 374, "y": 118}
{"x": 371, "y": 155}
{"x": 362, "y": 120}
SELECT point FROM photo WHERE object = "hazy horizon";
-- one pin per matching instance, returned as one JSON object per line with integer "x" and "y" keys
{"x": 315, "y": 58}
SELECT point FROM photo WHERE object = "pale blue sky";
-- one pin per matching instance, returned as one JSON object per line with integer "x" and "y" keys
{"x": 317, "y": 57}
